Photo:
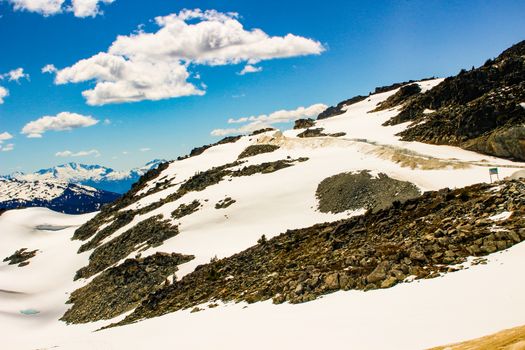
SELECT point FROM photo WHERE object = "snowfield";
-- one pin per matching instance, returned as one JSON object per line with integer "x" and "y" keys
{"x": 478, "y": 300}
{"x": 466, "y": 304}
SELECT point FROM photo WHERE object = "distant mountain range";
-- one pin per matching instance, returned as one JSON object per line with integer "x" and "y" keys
{"x": 59, "y": 196}
{"x": 96, "y": 176}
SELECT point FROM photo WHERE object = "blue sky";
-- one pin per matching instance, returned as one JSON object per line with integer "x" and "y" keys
{"x": 364, "y": 44}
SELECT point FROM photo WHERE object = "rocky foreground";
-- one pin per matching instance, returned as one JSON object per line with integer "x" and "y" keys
{"x": 420, "y": 238}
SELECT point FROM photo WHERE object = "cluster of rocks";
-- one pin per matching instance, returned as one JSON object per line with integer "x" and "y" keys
{"x": 121, "y": 288}
{"x": 318, "y": 132}
{"x": 224, "y": 203}
{"x": 186, "y": 209}
{"x": 199, "y": 150}
{"x": 478, "y": 109}
{"x": 339, "y": 109}
{"x": 20, "y": 257}
{"x": 261, "y": 131}
{"x": 304, "y": 123}
{"x": 151, "y": 232}
{"x": 254, "y": 150}
{"x": 353, "y": 191}
{"x": 420, "y": 238}
{"x": 400, "y": 97}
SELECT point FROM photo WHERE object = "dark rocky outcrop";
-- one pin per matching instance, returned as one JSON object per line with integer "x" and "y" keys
{"x": 200, "y": 150}
{"x": 261, "y": 131}
{"x": 337, "y": 110}
{"x": 478, "y": 109}
{"x": 121, "y": 288}
{"x": 318, "y": 132}
{"x": 400, "y": 97}
{"x": 151, "y": 232}
{"x": 422, "y": 238}
{"x": 186, "y": 209}
{"x": 254, "y": 150}
{"x": 224, "y": 203}
{"x": 353, "y": 191}
{"x": 304, "y": 123}
{"x": 20, "y": 257}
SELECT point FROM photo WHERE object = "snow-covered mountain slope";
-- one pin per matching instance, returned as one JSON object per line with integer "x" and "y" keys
{"x": 96, "y": 176}
{"x": 58, "y": 196}
{"x": 235, "y": 217}
{"x": 475, "y": 301}
{"x": 272, "y": 202}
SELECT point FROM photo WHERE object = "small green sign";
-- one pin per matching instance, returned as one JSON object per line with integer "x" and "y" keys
{"x": 493, "y": 171}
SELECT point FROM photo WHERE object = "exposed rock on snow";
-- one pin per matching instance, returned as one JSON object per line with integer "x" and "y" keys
{"x": 224, "y": 203}
{"x": 424, "y": 237}
{"x": 254, "y": 150}
{"x": 121, "y": 288}
{"x": 21, "y": 257}
{"x": 352, "y": 191}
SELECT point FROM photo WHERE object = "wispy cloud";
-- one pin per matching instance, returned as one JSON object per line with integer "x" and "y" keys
{"x": 61, "y": 122}
{"x": 67, "y": 154}
{"x": 145, "y": 149}
{"x": 265, "y": 120}
{"x": 7, "y": 148}
{"x": 250, "y": 69}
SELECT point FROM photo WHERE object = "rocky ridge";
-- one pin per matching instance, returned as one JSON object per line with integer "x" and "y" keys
{"x": 421, "y": 238}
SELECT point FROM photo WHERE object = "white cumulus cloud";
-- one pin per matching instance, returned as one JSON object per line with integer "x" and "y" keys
{"x": 88, "y": 8}
{"x": 250, "y": 69}
{"x": 15, "y": 75}
{"x": 49, "y": 68}
{"x": 154, "y": 65}
{"x": 67, "y": 154}
{"x": 80, "y": 8}
{"x": 61, "y": 122}
{"x": 5, "y": 136}
{"x": 43, "y": 7}
{"x": 266, "y": 120}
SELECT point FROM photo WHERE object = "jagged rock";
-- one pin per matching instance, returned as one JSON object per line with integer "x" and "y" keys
{"x": 400, "y": 97}
{"x": 332, "y": 281}
{"x": 478, "y": 110}
{"x": 304, "y": 123}
{"x": 337, "y": 110}
{"x": 20, "y": 257}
